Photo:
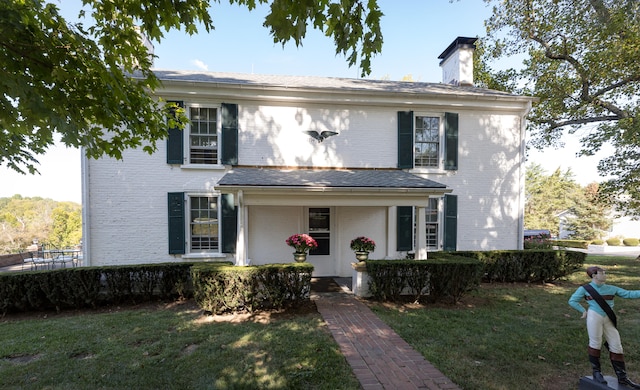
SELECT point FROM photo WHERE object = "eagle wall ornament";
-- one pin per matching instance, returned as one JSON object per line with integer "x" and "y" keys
{"x": 320, "y": 136}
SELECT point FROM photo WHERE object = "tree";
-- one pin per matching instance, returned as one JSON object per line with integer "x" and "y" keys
{"x": 546, "y": 196}
{"x": 67, "y": 225}
{"x": 93, "y": 85}
{"x": 23, "y": 220}
{"x": 589, "y": 221}
{"x": 581, "y": 61}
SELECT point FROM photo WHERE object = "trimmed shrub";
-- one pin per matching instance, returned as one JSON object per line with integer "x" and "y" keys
{"x": 526, "y": 266}
{"x": 448, "y": 276}
{"x": 582, "y": 244}
{"x": 225, "y": 288}
{"x": 614, "y": 241}
{"x": 598, "y": 242}
{"x": 82, "y": 287}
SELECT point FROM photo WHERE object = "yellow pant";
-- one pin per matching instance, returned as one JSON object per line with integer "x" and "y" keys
{"x": 597, "y": 326}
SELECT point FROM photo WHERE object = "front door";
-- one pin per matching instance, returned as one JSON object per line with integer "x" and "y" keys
{"x": 320, "y": 225}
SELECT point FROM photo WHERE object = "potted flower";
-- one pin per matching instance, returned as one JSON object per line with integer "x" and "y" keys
{"x": 362, "y": 246}
{"x": 301, "y": 243}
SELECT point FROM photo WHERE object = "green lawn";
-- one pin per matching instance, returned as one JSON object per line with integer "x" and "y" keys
{"x": 502, "y": 336}
{"x": 175, "y": 348}
{"x": 518, "y": 336}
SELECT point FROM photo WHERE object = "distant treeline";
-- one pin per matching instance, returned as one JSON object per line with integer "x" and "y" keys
{"x": 23, "y": 220}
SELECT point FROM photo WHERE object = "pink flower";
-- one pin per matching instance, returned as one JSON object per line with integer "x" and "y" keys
{"x": 301, "y": 242}
{"x": 363, "y": 244}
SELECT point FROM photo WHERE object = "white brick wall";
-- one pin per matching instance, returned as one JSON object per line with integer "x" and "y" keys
{"x": 127, "y": 200}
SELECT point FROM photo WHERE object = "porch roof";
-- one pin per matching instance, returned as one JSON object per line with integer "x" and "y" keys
{"x": 329, "y": 186}
{"x": 326, "y": 178}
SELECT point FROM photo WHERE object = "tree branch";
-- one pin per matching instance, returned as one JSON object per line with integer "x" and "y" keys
{"x": 554, "y": 124}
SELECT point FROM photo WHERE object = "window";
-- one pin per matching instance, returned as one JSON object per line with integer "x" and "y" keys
{"x": 211, "y": 139}
{"x": 203, "y": 223}
{"x": 427, "y": 141}
{"x": 203, "y": 135}
{"x": 431, "y": 219}
{"x": 319, "y": 229}
{"x": 431, "y": 224}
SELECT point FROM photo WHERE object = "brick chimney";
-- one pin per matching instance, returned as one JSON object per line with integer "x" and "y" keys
{"x": 457, "y": 62}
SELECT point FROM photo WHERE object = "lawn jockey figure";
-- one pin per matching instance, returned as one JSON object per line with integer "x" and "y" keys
{"x": 602, "y": 321}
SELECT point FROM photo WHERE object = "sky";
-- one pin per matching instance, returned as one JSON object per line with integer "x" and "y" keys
{"x": 415, "y": 33}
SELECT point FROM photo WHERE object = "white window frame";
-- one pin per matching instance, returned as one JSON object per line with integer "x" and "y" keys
{"x": 187, "y": 137}
{"x": 441, "y": 141}
{"x": 201, "y": 253}
{"x": 439, "y": 225}
{"x": 437, "y": 237}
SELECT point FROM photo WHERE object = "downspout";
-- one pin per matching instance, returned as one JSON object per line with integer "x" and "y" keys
{"x": 86, "y": 215}
{"x": 522, "y": 176}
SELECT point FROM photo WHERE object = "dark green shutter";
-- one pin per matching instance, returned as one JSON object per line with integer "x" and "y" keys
{"x": 229, "y": 222}
{"x": 404, "y": 228}
{"x": 405, "y": 139}
{"x": 451, "y": 141}
{"x": 175, "y": 142}
{"x": 176, "y": 223}
{"x": 450, "y": 222}
{"x": 229, "y": 154}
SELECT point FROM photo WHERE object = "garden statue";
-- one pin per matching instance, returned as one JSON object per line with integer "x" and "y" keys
{"x": 601, "y": 321}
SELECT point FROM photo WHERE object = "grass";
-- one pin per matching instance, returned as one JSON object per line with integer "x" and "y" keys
{"x": 518, "y": 336}
{"x": 502, "y": 336}
{"x": 176, "y": 348}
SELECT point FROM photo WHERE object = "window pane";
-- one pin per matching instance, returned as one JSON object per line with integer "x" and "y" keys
{"x": 203, "y": 223}
{"x": 432, "y": 224}
{"x": 427, "y": 141}
{"x": 319, "y": 219}
{"x": 431, "y": 218}
{"x": 319, "y": 229}
{"x": 203, "y": 136}
{"x": 324, "y": 241}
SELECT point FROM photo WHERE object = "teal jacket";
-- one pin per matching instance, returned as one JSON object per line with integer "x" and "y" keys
{"x": 604, "y": 290}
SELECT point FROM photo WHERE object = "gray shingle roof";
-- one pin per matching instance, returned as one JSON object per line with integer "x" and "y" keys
{"x": 327, "y": 83}
{"x": 369, "y": 178}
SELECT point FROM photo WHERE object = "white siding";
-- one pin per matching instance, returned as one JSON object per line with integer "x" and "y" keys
{"x": 127, "y": 200}
{"x": 274, "y": 135}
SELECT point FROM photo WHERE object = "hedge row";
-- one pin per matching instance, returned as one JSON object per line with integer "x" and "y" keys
{"x": 218, "y": 287}
{"x": 229, "y": 288}
{"x": 526, "y": 266}
{"x": 91, "y": 287}
{"x": 449, "y": 276}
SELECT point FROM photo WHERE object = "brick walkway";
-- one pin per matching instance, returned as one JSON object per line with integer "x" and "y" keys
{"x": 380, "y": 359}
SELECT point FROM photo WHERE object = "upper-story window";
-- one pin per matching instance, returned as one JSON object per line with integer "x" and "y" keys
{"x": 427, "y": 142}
{"x": 210, "y": 139}
{"x": 203, "y": 135}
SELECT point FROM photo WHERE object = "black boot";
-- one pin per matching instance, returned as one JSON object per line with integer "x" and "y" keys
{"x": 617, "y": 361}
{"x": 594, "y": 359}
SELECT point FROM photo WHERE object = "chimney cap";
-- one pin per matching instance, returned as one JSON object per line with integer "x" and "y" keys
{"x": 459, "y": 42}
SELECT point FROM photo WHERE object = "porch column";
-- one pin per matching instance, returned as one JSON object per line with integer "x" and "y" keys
{"x": 241, "y": 240}
{"x": 421, "y": 232}
{"x": 392, "y": 228}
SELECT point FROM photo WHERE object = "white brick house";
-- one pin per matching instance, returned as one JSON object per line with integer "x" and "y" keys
{"x": 417, "y": 167}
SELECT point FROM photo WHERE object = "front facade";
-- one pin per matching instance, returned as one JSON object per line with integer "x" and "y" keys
{"x": 417, "y": 167}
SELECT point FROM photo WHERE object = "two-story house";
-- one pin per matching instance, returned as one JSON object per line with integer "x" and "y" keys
{"x": 417, "y": 167}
